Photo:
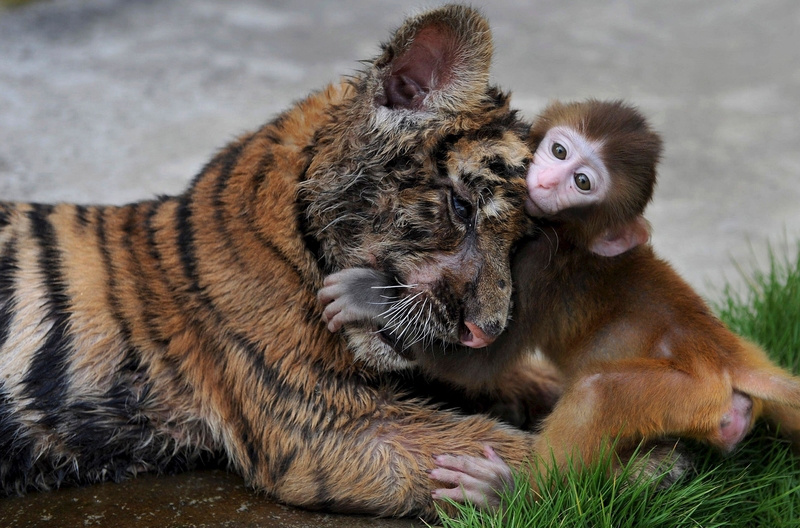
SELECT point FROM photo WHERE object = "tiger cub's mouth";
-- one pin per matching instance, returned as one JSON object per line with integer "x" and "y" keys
{"x": 406, "y": 349}
{"x": 395, "y": 344}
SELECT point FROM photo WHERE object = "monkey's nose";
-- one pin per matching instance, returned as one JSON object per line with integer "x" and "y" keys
{"x": 474, "y": 337}
{"x": 548, "y": 178}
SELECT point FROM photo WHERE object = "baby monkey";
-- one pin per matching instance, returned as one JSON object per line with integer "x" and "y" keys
{"x": 642, "y": 355}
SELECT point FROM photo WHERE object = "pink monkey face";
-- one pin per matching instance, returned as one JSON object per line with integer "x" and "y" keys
{"x": 567, "y": 171}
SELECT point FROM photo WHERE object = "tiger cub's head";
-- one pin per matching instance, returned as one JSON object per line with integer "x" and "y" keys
{"x": 421, "y": 175}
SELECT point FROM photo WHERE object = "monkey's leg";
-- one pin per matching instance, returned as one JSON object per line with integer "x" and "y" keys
{"x": 632, "y": 400}
{"x": 754, "y": 360}
{"x": 787, "y": 419}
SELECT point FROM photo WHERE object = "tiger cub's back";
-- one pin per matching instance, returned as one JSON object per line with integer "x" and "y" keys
{"x": 77, "y": 343}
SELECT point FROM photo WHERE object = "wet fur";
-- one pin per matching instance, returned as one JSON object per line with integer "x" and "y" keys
{"x": 138, "y": 338}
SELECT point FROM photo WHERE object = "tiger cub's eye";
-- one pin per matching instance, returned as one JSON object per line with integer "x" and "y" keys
{"x": 559, "y": 151}
{"x": 582, "y": 181}
{"x": 461, "y": 207}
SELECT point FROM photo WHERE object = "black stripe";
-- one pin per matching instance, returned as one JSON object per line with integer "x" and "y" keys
{"x": 261, "y": 170}
{"x": 119, "y": 398}
{"x": 226, "y": 171}
{"x": 500, "y": 97}
{"x": 502, "y": 123}
{"x": 322, "y": 496}
{"x": 153, "y": 250}
{"x": 310, "y": 241}
{"x": 498, "y": 165}
{"x": 217, "y": 160}
{"x": 16, "y": 450}
{"x": 273, "y": 130}
{"x": 46, "y": 381}
{"x": 109, "y": 435}
{"x": 443, "y": 148}
{"x": 251, "y": 445}
{"x": 82, "y": 215}
{"x": 111, "y": 280}
{"x": 8, "y": 269}
{"x": 144, "y": 293}
{"x": 150, "y": 233}
{"x": 228, "y": 163}
{"x": 279, "y": 464}
{"x": 4, "y": 215}
{"x": 268, "y": 244}
{"x": 271, "y": 246}
{"x": 186, "y": 250}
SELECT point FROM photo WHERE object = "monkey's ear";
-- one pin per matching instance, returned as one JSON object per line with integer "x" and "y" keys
{"x": 617, "y": 240}
{"x": 438, "y": 60}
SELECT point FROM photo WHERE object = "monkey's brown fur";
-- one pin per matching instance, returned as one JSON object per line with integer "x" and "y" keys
{"x": 642, "y": 354}
{"x": 630, "y": 150}
{"x": 136, "y": 338}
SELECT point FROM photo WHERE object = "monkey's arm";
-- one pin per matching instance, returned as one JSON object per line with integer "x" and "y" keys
{"x": 354, "y": 294}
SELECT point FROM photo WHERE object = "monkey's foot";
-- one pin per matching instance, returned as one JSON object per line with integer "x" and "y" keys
{"x": 664, "y": 461}
{"x": 735, "y": 423}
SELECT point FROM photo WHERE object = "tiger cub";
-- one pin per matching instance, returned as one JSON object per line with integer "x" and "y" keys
{"x": 139, "y": 338}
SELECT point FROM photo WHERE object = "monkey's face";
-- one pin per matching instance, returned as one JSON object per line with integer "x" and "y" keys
{"x": 567, "y": 172}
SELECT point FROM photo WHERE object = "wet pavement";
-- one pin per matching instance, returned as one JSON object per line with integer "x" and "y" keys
{"x": 201, "y": 499}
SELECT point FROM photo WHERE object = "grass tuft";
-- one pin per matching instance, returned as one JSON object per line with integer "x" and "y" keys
{"x": 768, "y": 310}
{"x": 758, "y": 486}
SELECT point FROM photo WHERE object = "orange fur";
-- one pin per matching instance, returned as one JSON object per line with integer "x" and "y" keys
{"x": 147, "y": 336}
{"x": 643, "y": 355}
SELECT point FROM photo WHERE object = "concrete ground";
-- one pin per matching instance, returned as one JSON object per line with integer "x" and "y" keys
{"x": 112, "y": 100}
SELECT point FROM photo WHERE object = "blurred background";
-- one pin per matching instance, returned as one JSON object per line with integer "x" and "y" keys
{"x": 113, "y": 100}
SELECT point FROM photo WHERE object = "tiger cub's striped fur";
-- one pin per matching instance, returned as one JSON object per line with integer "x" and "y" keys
{"x": 136, "y": 338}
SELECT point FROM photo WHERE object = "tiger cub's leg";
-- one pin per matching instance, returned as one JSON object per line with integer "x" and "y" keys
{"x": 379, "y": 465}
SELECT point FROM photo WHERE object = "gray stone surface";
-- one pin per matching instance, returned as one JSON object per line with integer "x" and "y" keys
{"x": 114, "y": 100}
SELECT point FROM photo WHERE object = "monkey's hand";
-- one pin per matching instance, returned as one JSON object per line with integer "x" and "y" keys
{"x": 353, "y": 294}
{"x": 477, "y": 480}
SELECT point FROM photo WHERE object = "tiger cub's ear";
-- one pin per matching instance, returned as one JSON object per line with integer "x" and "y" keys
{"x": 437, "y": 61}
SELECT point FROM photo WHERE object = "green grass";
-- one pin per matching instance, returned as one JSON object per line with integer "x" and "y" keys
{"x": 758, "y": 486}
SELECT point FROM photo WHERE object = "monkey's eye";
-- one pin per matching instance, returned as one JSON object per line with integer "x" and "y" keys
{"x": 559, "y": 151}
{"x": 461, "y": 207}
{"x": 582, "y": 181}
